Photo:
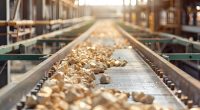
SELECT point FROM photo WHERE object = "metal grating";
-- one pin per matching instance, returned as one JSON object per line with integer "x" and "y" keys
{"x": 138, "y": 76}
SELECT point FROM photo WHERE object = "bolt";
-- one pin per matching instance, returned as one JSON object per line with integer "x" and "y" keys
{"x": 37, "y": 89}
{"x": 50, "y": 74}
{"x": 164, "y": 77}
{"x": 152, "y": 66}
{"x": 172, "y": 86}
{"x": 157, "y": 71}
{"x": 161, "y": 74}
{"x": 179, "y": 93}
{"x": 45, "y": 78}
{"x": 22, "y": 103}
{"x": 165, "y": 80}
{"x": 41, "y": 82}
{"x": 169, "y": 83}
{"x": 39, "y": 85}
{"x": 19, "y": 106}
{"x": 190, "y": 103}
{"x": 34, "y": 92}
{"x": 184, "y": 99}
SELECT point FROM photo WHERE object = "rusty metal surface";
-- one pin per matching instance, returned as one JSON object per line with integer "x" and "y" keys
{"x": 138, "y": 76}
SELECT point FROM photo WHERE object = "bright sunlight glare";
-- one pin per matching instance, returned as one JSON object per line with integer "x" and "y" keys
{"x": 105, "y": 2}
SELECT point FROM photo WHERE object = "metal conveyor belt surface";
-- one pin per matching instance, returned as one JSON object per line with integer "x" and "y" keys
{"x": 138, "y": 76}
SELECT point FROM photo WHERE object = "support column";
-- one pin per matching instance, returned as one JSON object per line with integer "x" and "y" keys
{"x": 130, "y": 12}
{"x": 27, "y": 9}
{"x": 70, "y": 12}
{"x": 40, "y": 15}
{"x": 58, "y": 9}
{"x": 137, "y": 13}
{"x": 124, "y": 11}
{"x": 155, "y": 17}
{"x": 4, "y": 40}
{"x": 54, "y": 10}
{"x": 178, "y": 18}
{"x": 78, "y": 9}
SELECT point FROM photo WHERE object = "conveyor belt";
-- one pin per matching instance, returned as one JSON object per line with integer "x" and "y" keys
{"x": 138, "y": 76}
{"x": 135, "y": 76}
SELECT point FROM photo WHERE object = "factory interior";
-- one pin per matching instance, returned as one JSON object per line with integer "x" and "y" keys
{"x": 99, "y": 54}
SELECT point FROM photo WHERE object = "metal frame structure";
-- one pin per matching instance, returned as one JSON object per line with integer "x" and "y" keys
{"x": 45, "y": 14}
{"x": 186, "y": 49}
{"x": 13, "y": 93}
{"x": 8, "y": 48}
{"x": 50, "y": 38}
{"x": 185, "y": 82}
{"x": 24, "y": 23}
{"x": 163, "y": 37}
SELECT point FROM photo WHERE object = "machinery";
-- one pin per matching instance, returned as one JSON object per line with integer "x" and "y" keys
{"x": 145, "y": 71}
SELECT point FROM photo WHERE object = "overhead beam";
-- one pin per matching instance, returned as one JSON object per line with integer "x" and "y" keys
{"x": 43, "y": 22}
{"x": 9, "y": 48}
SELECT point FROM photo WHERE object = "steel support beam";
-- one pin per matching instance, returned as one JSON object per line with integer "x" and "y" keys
{"x": 78, "y": 9}
{"x": 193, "y": 29}
{"x": 178, "y": 17}
{"x": 40, "y": 14}
{"x": 181, "y": 56}
{"x": 23, "y": 57}
{"x": 137, "y": 13}
{"x": 130, "y": 11}
{"x": 176, "y": 39}
{"x": 27, "y": 9}
{"x": 9, "y": 48}
{"x": 16, "y": 10}
{"x": 155, "y": 15}
{"x": 124, "y": 11}
{"x": 58, "y": 7}
{"x": 65, "y": 40}
{"x": 4, "y": 40}
{"x": 155, "y": 40}
{"x": 53, "y": 5}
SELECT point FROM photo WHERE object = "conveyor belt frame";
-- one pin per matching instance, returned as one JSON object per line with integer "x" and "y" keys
{"x": 183, "y": 81}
